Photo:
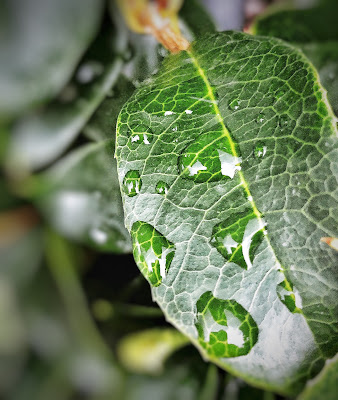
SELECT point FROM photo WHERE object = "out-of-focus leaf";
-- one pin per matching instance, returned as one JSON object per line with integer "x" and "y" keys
{"x": 185, "y": 377}
{"x": 82, "y": 199}
{"x": 39, "y": 138}
{"x": 146, "y": 351}
{"x": 314, "y": 30}
{"x": 325, "y": 385}
{"x": 41, "y": 41}
{"x": 20, "y": 260}
{"x": 195, "y": 18}
{"x": 236, "y": 389}
{"x": 102, "y": 125}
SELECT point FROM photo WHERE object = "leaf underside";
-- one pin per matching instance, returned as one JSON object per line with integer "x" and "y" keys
{"x": 226, "y": 160}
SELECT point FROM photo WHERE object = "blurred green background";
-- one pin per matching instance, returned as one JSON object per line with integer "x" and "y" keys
{"x": 76, "y": 317}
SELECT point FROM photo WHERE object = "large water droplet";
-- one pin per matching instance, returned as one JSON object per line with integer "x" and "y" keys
{"x": 208, "y": 159}
{"x": 152, "y": 251}
{"x": 162, "y": 188}
{"x": 286, "y": 295}
{"x": 132, "y": 183}
{"x": 237, "y": 240}
{"x": 260, "y": 150}
{"x": 225, "y": 328}
{"x": 141, "y": 135}
{"x": 234, "y": 105}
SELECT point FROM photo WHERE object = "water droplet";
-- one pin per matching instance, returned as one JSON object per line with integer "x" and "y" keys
{"x": 162, "y": 188}
{"x": 280, "y": 93}
{"x": 225, "y": 328}
{"x": 260, "y": 150}
{"x": 208, "y": 159}
{"x": 234, "y": 104}
{"x": 260, "y": 118}
{"x": 132, "y": 183}
{"x": 238, "y": 240}
{"x": 166, "y": 113}
{"x": 188, "y": 112}
{"x": 283, "y": 121}
{"x": 141, "y": 135}
{"x": 289, "y": 297}
{"x": 153, "y": 253}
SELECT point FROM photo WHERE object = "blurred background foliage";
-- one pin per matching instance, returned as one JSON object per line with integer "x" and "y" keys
{"x": 76, "y": 317}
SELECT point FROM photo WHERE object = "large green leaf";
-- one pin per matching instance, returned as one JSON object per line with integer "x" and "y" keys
{"x": 314, "y": 30}
{"x": 80, "y": 197}
{"x": 226, "y": 160}
{"x": 40, "y": 45}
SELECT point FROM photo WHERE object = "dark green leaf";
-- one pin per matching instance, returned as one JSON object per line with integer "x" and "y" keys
{"x": 41, "y": 42}
{"x": 239, "y": 132}
{"x": 82, "y": 200}
{"x": 44, "y": 135}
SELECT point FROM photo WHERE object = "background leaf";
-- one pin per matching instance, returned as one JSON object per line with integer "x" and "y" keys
{"x": 80, "y": 197}
{"x": 40, "y": 46}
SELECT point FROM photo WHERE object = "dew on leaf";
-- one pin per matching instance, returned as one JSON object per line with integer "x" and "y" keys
{"x": 283, "y": 121}
{"x": 162, "y": 188}
{"x": 260, "y": 150}
{"x": 225, "y": 328}
{"x": 234, "y": 105}
{"x": 141, "y": 135}
{"x": 237, "y": 240}
{"x": 153, "y": 253}
{"x": 132, "y": 183}
{"x": 289, "y": 297}
{"x": 260, "y": 118}
{"x": 208, "y": 159}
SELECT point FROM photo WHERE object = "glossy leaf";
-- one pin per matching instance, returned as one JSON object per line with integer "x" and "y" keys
{"x": 80, "y": 197}
{"x": 314, "y": 30}
{"x": 40, "y": 46}
{"x": 246, "y": 143}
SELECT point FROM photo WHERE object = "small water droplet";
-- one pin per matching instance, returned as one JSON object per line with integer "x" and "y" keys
{"x": 162, "y": 188}
{"x": 132, "y": 183}
{"x": 260, "y": 118}
{"x": 225, "y": 328}
{"x": 152, "y": 251}
{"x": 260, "y": 150}
{"x": 234, "y": 104}
{"x": 166, "y": 113}
{"x": 141, "y": 135}
{"x": 288, "y": 296}
{"x": 283, "y": 121}
{"x": 280, "y": 93}
{"x": 208, "y": 159}
{"x": 188, "y": 112}
{"x": 239, "y": 244}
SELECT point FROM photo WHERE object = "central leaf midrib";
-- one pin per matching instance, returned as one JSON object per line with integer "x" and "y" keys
{"x": 226, "y": 133}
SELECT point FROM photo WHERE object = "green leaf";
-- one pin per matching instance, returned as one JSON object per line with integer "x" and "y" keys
{"x": 102, "y": 124}
{"x": 314, "y": 30}
{"x": 40, "y": 46}
{"x": 80, "y": 197}
{"x": 41, "y": 137}
{"x": 324, "y": 386}
{"x": 146, "y": 351}
{"x": 241, "y": 137}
